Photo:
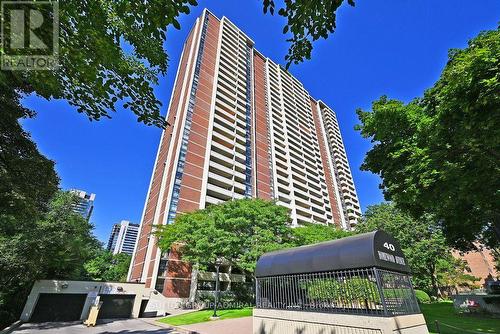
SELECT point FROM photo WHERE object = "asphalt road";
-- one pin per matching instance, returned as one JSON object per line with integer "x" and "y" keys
{"x": 118, "y": 326}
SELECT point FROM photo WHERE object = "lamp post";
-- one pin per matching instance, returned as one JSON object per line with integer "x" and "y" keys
{"x": 218, "y": 262}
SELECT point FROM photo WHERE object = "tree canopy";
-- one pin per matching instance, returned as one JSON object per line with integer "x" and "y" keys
{"x": 423, "y": 244}
{"x": 106, "y": 266}
{"x": 112, "y": 52}
{"x": 307, "y": 21}
{"x": 109, "y": 51}
{"x": 314, "y": 233}
{"x": 54, "y": 245}
{"x": 439, "y": 154}
{"x": 239, "y": 232}
{"x": 27, "y": 178}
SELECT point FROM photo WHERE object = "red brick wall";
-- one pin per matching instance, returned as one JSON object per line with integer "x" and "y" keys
{"x": 323, "y": 147}
{"x": 480, "y": 262}
{"x": 261, "y": 145}
{"x": 160, "y": 169}
{"x": 190, "y": 196}
{"x": 178, "y": 281}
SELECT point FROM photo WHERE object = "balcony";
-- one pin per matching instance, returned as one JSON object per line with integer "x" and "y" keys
{"x": 220, "y": 181}
{"x": 218, "y": 192}
{"x": 219, "y": 169}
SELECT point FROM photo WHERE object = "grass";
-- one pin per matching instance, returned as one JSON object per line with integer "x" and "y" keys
{"x": 204, "y": 315}
{"x": 445, "y": 314}
{"x": 442, "y": 312}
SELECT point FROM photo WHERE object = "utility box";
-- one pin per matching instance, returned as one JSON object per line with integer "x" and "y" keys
{"x": 93, "y": 314}
{"x": 359, "y": 284}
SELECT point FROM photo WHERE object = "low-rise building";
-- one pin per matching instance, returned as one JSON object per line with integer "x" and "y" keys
{"x": 67, "y": 300}
{"x": 480, "y": 263}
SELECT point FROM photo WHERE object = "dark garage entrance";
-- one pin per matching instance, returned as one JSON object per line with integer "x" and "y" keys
{"x": 58, "y": 307}
{"x": 116, "y": 306}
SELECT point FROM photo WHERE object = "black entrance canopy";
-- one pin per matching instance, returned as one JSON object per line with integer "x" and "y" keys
{"x": 369, "y": 250}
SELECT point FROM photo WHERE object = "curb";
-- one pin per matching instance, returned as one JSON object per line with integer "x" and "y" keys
{"x": 167, "y": 326}
{"x": 184, "y": 330}
{"x": 11, "y": 328}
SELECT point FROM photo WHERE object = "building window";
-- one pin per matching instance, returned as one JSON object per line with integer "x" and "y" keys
{"x": 248, "y": 129}
{"x": 206, "y": 285}
{"x": 159, "y": 284}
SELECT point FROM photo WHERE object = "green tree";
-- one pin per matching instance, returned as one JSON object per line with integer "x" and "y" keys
{"x": 56, "y": 245}
{"x": 28, "y": 181}
{"x": 314, "y": 233}
{"x": 109, "y": 51}
{"x": 452, "y": 275}
{"x": 424, "y": 246}
{"x": 307, "y": 21}
{"x": 439, "y": 154}
{"x": 113, "y": 51}
{"x": 238, "y": 231}
{"x": 27, "y": 178}
{"x": 105, "y": 266}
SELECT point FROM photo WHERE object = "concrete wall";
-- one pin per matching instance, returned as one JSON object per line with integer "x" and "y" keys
{"x": 286, "y": 322}
{"x": 92, "y": 289}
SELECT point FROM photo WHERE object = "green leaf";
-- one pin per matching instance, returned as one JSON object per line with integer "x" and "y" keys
{"x": 438, "y": 154}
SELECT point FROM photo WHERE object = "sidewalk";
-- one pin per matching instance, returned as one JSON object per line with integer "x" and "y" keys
{"x": 129, "y": 326}
{"x": 229, "y": 326}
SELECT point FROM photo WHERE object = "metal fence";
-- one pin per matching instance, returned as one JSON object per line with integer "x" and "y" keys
{"x": 359, "y": 291}
{"x": 397, "y": 291}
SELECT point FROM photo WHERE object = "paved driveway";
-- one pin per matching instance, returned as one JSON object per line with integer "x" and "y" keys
{"x": 126, "y": 326}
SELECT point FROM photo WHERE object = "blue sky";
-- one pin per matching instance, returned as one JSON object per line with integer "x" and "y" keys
{"x": 392, "y": 47}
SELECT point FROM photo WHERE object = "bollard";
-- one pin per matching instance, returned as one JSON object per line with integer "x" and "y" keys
{"x": 437, "y": 327}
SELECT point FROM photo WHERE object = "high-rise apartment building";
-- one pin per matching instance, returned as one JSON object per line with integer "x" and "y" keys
{"x": 85, "y": 204}
{"x": 123, "y": 237}
{"x": 240, "y": 126}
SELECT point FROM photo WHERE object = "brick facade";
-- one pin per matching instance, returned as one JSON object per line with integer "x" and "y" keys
{"x": 162, "y": 172}
{"x": 262, "y": 156}
{"x": 481, "y": 263}
{"x": 236, "y": 121}
{"x": 334, "y": 205}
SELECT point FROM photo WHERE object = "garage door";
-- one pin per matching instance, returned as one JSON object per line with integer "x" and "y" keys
{"x": 116, "y": 306}
{"x": 58, "y": 307}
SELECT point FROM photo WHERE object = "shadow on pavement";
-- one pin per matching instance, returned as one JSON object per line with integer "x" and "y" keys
{"x": 49, "y": 325}
{"x": 157, "y": 331}
{"x": 105, "y": 326}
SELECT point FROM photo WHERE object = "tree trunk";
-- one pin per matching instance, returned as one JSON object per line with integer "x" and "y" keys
{"x": 434, "y": 282}
{"x": 496, "y": 228}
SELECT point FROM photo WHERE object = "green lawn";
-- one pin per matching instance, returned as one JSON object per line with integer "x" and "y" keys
{"x": 444, "y": 313}
{"x": 204, "y": 315}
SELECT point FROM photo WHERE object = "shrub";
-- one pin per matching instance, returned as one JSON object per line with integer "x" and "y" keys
{"x": 422, "y": 297}
{"x": 226, "y": 300}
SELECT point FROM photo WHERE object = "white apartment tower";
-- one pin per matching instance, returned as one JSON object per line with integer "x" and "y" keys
{"x": 123, "y": 237}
